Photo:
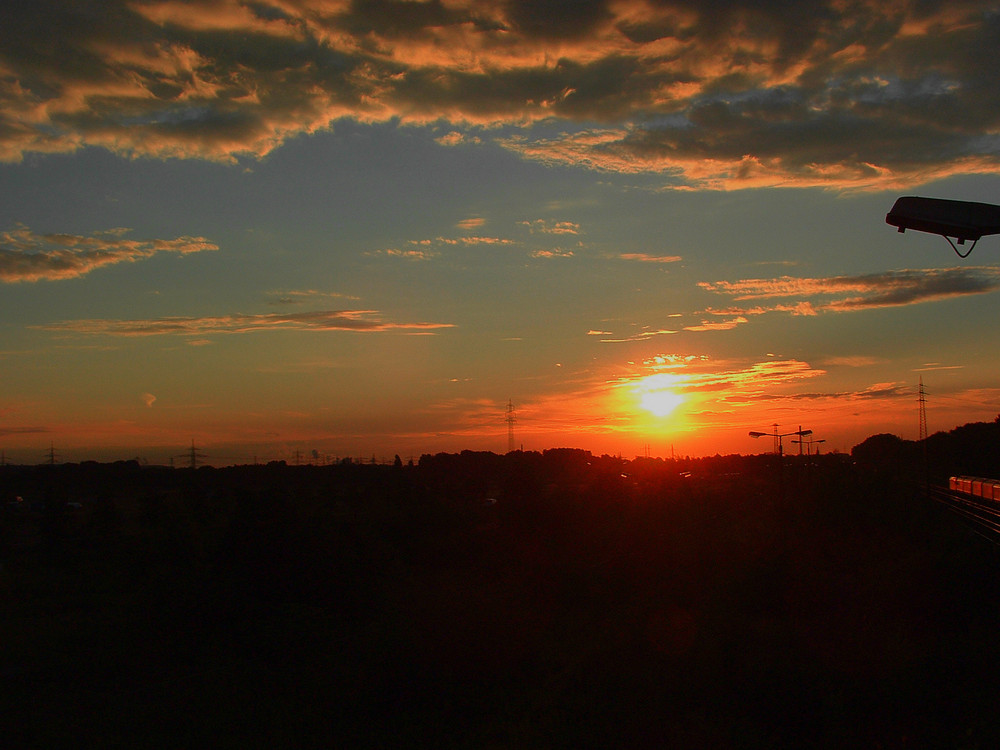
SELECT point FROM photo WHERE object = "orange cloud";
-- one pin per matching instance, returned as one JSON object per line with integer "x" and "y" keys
{"x": 405, "y": 254}
{"x": 548, "y": 227}
{"x": 799, "y": 308}
{"x": 464, "y": 241}
{"x": 552, "y": 254}
{"x": 454, "y": 138}
{"x": 722, "y": 325}
{"x": 28, "y": 256}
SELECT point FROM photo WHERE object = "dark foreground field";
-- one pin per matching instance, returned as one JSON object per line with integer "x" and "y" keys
{"x": 478, "y": 601}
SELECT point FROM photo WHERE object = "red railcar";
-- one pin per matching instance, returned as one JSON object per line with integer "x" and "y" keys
{"x": 987, "y": 489}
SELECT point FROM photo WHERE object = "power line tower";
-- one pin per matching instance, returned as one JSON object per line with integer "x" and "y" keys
{"x": 51, "y": 453}
{"x": 193, "y": 456}
{"x": 923, "y": 410}
{"x": 923, "y": 432}
{"x": 511, "y": 418}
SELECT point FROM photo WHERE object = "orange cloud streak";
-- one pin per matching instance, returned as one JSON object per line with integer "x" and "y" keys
{"x": 27, "y": 256}
{"x": 362, "y": 321}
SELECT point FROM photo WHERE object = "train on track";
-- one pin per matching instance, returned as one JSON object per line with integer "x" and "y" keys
{"x": 987, "y": 489}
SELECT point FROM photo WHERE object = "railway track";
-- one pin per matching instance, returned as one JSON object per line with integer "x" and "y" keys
{"x": 982, "y": 517}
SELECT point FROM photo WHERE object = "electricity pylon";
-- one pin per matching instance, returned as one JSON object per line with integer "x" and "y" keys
{"x": 511, "y": 419}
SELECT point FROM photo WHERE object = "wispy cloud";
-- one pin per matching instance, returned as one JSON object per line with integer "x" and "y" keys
{"x": 887, "y": 289}
{"x": 465, "y": 241}
{"x": 797, "y": 308}
{"x": 771, "y": 382}
{"x": 23, "y": 430}
{"x": 730, "y": 94}
{"x": 644, "y": 333}
{"x": 475, "y": 241}
{"x": 878, "y": 391}
{"x": 649, "y": 258}
{"x": 361, "y": 321}
{"x": 932, "y": 366}
{"x": 727, "y": 384}
{"x": 756, "y": 378}
{"x": 718, "y": 325}
{"x": 719, "y": 390}
{"x": 304, "y": 296}
{"x": 852, "y": 361}
{"x": 427, "y": 249}
{"x": 28, "y": 256}
{"x": 410, "y": 254}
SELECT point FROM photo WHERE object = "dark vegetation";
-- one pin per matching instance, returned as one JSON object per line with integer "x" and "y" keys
{"x": 480, "y": 601}
{"x": 972, "y": 449}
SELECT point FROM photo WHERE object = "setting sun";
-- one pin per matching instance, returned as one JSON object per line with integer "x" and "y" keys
{"x": 658, "y": 396}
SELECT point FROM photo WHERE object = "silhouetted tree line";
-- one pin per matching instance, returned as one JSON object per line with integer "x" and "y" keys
{"x": 972, "y": 449}
{"x": 474, "y": 600}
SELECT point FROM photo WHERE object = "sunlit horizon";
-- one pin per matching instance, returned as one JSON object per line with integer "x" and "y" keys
{"x": 644, "y": 434}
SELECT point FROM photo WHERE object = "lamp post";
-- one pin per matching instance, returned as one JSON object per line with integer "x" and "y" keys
{"x": 777, "y": 437}
{"x": 779, "y": 450}
{"x": 962, "y": 220}
{"x": 809, "y": 444}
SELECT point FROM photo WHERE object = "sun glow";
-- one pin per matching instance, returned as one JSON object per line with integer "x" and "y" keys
{"x": 657, "y": 394}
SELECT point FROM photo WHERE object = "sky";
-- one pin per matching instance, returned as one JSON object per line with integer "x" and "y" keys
{"x": 312, "y": 229}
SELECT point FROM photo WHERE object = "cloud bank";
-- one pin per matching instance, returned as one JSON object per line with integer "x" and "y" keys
{"x": 726, "y": 94}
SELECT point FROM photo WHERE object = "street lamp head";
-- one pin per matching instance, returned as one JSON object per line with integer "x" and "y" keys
{"x": 803, "y": 433}
{"x": 758, "y": 434}
{"x": 962, "y": 220}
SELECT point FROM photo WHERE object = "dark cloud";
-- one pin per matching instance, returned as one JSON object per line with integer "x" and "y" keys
{"x": 887, "y": 289}
{"x": 557, "y": 19}
{"x": 395, "y": 18}
{"x": 719, "y": 93}
{"x": 912, "y": 287}
{"x": 22, "y": 430}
